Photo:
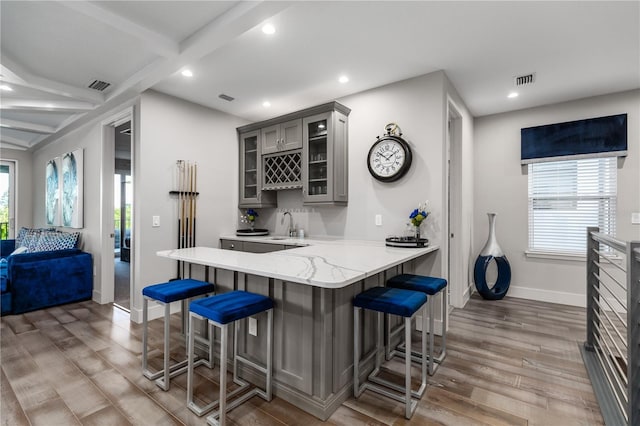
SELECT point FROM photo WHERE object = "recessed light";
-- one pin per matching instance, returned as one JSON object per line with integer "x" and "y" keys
{"x": 343, "y": 79}
{"x": 268, "y": 29}
{"x": 266, "y": 104}
{"x": 6, "y": 88}
{"x": 512, "y": 95}
{"x": 187, "y": 73}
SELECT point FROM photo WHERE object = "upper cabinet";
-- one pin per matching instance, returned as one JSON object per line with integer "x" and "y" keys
{"x": 325, "y": 174}
{"x": 282, "y": 137}
{"x": 306, "y": 149}
{"x": 251, "y": 194}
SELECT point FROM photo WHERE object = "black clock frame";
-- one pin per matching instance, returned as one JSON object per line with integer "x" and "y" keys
{"x": 403, "y": 169}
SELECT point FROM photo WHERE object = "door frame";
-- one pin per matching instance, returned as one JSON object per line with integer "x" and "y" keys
{"x": 106, "y": 291}
{"x": 13, "y": 196}
{"x": 454, "y": 251}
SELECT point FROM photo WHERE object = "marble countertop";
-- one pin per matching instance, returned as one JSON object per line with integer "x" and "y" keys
{"x": 321, "y": 262}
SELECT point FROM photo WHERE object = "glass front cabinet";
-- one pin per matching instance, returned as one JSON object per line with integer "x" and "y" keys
{"x": 307, "y": 149}
{"x": 325, "y": 159}
{"x": 251, "y": 194}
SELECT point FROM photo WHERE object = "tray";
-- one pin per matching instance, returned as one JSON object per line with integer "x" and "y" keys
{"x": 406, "y": 242}
{"x": 252, "y": 232}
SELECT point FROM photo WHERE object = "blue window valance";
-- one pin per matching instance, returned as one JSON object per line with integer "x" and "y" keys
{"x": 593, "y": 137}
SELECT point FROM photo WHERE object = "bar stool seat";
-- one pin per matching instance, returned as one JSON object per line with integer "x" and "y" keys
{"x": 221, "y": 311}
{"x": 393, "y": 301}
{"x": 430, "y": 286}
{"x": 165, "y": 294}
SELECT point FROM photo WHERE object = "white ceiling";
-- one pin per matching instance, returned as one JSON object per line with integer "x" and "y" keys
{"x": 51, "y": 51}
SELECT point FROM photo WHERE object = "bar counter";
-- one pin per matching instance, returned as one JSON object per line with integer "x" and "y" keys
{"x": 312, "y": 285}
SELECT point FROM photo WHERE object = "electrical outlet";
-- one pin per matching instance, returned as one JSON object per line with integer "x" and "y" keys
{"x": 378, "y": 220}
{"x": 635, "y": 218}
{"x": 253, "y": 326}
{"x": 155, "y": 221}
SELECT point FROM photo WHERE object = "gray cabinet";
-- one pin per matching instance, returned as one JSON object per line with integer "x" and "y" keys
{"x": 325, "y": 163}
{"x": 251, "y": 194}
{"x": 282, "y": 137}
{"x": 307, "y": 148}
{"x": 250, "y": 246}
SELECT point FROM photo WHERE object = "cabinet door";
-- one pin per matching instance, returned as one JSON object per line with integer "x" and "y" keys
{"x": 249, "y": 167}
{"x": 270, "y": 139}
{"x": 317, "y": 162}
{"x": 250, "y": 182}
{"x": 291, "y": 135}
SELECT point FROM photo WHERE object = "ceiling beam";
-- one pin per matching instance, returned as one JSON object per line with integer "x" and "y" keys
{"x": 26, "y": 127}
{"x": 14, "y": 73}
{"x": 14, "y": 143}
{"x": 159, "y": 43}
{"x": 50, "y": 106}
{"x": 219, "y": 32}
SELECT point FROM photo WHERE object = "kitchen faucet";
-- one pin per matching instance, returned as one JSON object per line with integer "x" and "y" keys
{"x": 291, "y": 232}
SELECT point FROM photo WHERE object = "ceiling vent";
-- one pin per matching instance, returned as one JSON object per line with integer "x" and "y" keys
{"x": 225, "y": 97}
{"x": 99, "y": 85}
{"x": 524, "y": 80}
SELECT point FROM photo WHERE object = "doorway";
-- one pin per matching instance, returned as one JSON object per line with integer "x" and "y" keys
{"x": 116, "y": 263}
{"x": 123, "y": 204}
{"x": 7, "y": 199}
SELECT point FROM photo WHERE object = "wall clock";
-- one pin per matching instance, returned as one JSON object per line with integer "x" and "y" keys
{"x": 390, "y": 156}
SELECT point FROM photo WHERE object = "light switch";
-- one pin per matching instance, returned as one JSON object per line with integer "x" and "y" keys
{"x": 378, "y": 220}
{"x": 156, "y": 221}
{"x": 635, "y": 218}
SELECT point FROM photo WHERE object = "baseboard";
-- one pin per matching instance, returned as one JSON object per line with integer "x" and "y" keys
{"x": 559, "y": 297}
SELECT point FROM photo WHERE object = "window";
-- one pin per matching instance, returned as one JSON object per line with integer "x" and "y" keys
{"x": 566, "y": 197}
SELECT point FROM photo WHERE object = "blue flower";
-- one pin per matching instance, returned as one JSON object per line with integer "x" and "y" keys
{"x": 419, "y": 214}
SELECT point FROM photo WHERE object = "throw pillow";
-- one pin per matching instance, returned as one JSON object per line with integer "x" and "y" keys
{"x": 20, "y": 237}
{"x": 21, "y": 249}
{"x": 50, "y": 241}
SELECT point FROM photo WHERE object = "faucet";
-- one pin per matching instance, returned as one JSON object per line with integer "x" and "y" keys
{"x": 290, "y": 232}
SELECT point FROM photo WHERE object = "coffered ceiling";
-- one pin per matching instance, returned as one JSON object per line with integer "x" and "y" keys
{"x": 52, "y": 51}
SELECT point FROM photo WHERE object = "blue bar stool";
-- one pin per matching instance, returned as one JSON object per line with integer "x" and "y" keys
{"x": 221, "y": 311}
{"x": 394, "y": 301}
{"x": 164, "y": 294}
{"x": 430, "y": 286}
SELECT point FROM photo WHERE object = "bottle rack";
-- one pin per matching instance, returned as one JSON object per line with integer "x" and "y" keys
{"x": 283, "y": 171}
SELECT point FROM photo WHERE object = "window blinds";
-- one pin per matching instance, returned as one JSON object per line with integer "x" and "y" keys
{"x": 566, "y": 197}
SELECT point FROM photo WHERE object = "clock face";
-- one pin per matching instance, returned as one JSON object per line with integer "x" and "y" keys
{"x": 389, "y": 158}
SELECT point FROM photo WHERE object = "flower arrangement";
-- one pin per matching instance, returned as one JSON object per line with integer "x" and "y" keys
{"x": 418, "y": 216}
{"x": 249, "y": 217}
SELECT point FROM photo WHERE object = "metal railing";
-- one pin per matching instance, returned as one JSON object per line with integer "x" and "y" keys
{"x": 612, "y": 349}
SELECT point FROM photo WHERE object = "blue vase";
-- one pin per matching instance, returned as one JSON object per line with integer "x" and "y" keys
{"x": 492, "y": 251}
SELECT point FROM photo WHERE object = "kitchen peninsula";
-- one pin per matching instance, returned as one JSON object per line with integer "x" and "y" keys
{"x": 313, "y": 285}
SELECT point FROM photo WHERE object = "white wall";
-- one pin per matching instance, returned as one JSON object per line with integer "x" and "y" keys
{"x": 501, "y": 187}
{"x": 171, "y": 129}
{"x": 24, "y": 192}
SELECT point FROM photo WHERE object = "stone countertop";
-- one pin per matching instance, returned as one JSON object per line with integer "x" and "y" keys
{"x": 321, "y": 262}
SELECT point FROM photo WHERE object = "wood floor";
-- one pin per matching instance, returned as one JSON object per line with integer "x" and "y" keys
{"x": 510, "y": 362}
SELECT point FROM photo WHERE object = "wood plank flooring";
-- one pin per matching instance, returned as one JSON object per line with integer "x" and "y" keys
{"x": 510, "y": 362}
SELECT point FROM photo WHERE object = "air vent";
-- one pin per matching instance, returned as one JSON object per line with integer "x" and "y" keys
{"x": 225, "y": 97}
{"x": 99, "y": 85}
{"x": 524, "y": 80}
